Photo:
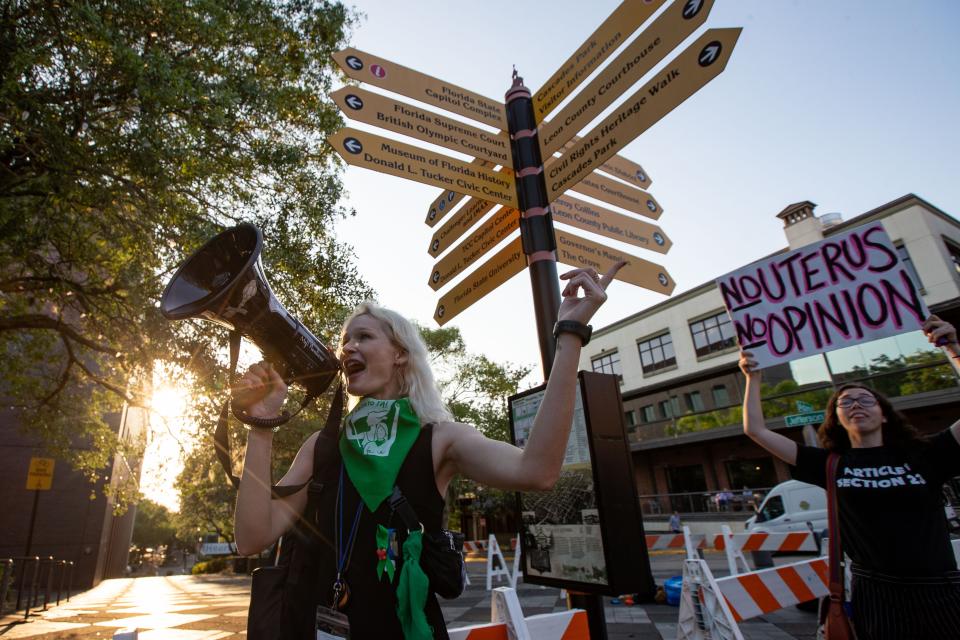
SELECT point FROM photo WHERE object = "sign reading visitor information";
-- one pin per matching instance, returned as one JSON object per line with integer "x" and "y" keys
{"x": 848, "y": 289}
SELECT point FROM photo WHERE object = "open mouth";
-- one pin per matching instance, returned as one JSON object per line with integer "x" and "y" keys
{"x": 353, "y": 367}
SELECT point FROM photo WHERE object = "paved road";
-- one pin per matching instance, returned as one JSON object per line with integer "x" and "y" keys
{"x": 213, "y": 607}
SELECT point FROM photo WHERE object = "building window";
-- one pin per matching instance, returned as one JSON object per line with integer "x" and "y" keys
{"x": 630, "y": 418}
{"x": 608, "y": 363}
{"x": 665, "y": 410}
{"x": 694, "y": 401}
{"x": 721, "y": 397}
{"x": 648, "y": 414}
{"x": 908, "y": 263}
{"x": 954, "y": 252}
{"x": 657, "y": 353}
{"x": 712, "y": 334}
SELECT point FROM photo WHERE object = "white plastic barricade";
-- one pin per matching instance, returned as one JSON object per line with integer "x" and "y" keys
{"x": 693, "y": 543}
{"x": 508, "y": 622}
{"x": 734, "y": 544}
{"x": 711, "y": 607}
{"x": 501, "y": 570}
{"x": 956, "y": 549}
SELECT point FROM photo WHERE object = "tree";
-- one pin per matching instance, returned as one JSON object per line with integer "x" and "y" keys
{"x": 129, "y": 134}
{"x": 153, "y": 526}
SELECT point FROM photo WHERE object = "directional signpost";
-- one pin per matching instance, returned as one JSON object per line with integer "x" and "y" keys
{"x": 803, "y": 419}
{"x": 520, "y": 174}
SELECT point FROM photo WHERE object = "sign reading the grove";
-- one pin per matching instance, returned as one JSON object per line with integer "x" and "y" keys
{"x": 848, "y": 289}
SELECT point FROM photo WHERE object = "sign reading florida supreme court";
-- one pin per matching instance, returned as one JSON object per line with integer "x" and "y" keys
{"x": 845, "y": 290}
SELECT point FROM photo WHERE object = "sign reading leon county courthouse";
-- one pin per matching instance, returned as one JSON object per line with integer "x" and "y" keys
{"x": 848, "y": 289}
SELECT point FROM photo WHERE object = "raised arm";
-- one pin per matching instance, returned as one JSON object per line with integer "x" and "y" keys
{"x": 943, "y": 334}
{"x": 537, "y": 466}
{"x": 754, "y": 426}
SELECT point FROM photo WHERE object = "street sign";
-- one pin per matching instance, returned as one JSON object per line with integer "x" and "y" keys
{"x": 611, "y": 224}
{"x": 499, "y": 226}
{"x": 413, "y": 163}
{"x": 801, "y": 419}
{"x": 699, "y": 63}
{"x": 649, "y": 48}
{"x": 804, "y": 406}
{"x": 446, "y": 201}
{"x": 40, "y": 474}
{"x": 444, "y": 237}
{"x": 618, "y": 194}
{"x": 381, "y": 111}
{"x": 505, "y": 264}
{"x": 607, "y": 38}
{"x": 365, "y": 67}
{"x": 579, "y": 252}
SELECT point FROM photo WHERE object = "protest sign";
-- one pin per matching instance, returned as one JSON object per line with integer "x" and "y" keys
{"x": 845, "y": 290}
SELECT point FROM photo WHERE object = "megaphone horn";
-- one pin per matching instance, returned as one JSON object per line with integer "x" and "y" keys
{"x": 224, "y": 282}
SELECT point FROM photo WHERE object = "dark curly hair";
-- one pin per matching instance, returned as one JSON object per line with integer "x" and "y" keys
{"x": 896, "y": 430}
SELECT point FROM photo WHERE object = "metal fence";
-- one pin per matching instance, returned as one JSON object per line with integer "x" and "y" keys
{"x": 25, "y": 582}
{"x": 743, "y": 502}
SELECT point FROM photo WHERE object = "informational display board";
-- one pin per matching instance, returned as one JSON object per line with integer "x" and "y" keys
{"x": 845, "y": 290}
{"x": 587, "y": 533}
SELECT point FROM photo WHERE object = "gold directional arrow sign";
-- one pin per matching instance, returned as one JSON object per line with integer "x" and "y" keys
{"x": 620, "y": 195}
{"x": 446, "y": 201}
{"x": 407, "y": 161}
{"x": 579, "y": 252}
{"x": 368, "y": 68}
{"x": 611, "y": 224}
{"x": 381, "y": 111}
{"x": 490, "y": 234}
{"x": 620, "y": 167}
{"x": 505, "y": 264}
{"x": 678, "y": 80}
{"x": 465, "y": 217}
{"x": 650, "y": 47}
{"x": 608, "y": 37}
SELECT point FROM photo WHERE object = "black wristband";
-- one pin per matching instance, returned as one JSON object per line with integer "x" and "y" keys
{"x": 582, "y": 331}
{"x": 261, "y": 423}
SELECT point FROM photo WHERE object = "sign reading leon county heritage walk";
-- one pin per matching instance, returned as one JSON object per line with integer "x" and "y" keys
{"x": 407, "y": 161}
{"x": 842, "y": 291}
{"x": 683, "y": 76}
{"x": 40, "y": 474}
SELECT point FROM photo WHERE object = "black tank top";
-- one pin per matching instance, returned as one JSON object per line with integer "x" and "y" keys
{"x": 372, "y": 605}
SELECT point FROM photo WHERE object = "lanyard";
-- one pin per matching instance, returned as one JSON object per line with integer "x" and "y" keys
{"x": 340, "y": 591}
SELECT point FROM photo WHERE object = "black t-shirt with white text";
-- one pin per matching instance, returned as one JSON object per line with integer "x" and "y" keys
{"x": 891, "y": 503}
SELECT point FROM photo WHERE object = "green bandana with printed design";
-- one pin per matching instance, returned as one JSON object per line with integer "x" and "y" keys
{"x": 377, "y": 436}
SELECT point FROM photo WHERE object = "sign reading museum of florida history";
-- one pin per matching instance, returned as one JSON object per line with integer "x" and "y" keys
{"x": 848, "y": 289}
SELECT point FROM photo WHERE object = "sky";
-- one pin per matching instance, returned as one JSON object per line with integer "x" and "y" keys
{"x": 848, "y": 104}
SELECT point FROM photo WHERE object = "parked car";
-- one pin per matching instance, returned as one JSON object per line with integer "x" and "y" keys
{"x": 791, "y": 506}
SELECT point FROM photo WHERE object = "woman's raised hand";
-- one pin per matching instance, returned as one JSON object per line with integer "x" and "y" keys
{"x": 260, "y": 392}
{"x": 594, "y": 286}
{"x": 749, "y": 365}
{"x": 940, "y": 332}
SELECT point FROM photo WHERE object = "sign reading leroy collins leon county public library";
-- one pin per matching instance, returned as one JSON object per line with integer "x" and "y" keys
{"x": 848, "y": 289}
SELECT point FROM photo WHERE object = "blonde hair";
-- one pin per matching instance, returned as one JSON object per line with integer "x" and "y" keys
{"x": 416, "y": 378}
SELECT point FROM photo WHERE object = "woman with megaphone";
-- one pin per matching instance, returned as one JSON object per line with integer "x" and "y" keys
{"x": 399, "y": 447}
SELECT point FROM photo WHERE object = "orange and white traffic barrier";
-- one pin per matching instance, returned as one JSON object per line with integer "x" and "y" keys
{"x": 508, "y": 623}
{"x": 660, "y": 541}
{"x": 735, "y": 544}
{"x": 474, "y": 546}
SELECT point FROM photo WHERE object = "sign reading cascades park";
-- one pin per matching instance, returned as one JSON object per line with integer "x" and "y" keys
{"x": 848, "y": 289}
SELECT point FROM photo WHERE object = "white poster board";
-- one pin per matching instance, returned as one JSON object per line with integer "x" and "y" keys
{"x": 842, "y": 291}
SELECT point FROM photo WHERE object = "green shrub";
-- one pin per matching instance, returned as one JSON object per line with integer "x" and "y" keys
{"x": 215, "y": 565}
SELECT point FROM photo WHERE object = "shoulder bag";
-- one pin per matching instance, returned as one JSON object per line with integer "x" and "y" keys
{"x": 834, "y": 622}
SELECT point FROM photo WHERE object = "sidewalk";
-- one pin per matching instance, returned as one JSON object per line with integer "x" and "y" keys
{"x": 213, "y": 607}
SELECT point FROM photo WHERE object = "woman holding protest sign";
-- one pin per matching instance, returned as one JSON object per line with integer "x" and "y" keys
{"x": 889, "y": 502}
{"x": 363, "y": 577}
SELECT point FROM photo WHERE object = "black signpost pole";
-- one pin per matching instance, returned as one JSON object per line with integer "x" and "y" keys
{"x": 539, "y": 246}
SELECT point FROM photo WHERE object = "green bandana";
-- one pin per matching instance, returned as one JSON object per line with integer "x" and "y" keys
{"x": 412, "y": 591}
{"x": 377, "y": 437}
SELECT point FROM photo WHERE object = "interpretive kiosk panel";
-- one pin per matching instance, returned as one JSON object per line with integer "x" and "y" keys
{"x": 587, "y": 533}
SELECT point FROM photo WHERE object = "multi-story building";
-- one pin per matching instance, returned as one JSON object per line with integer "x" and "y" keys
{"x": 682, "y": 389}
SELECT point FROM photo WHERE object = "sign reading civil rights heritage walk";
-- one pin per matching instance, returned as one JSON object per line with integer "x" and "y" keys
{"x": 666, "y": 32}
{"x": 413, "y": 163}
{"x": 842, "y": 291}
{"x": 607, "y": 38}
{"x": 491, "y": 233}
{"x": 580, "y": 252}
{"x": 505, "y": 264}
{"x": 700, "y": 63}
{"x": 378, "y": 110}
{"x": 379, "y": 72}
{"x": 589, "y": 217}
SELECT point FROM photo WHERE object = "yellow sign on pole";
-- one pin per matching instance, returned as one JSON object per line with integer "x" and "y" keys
{"x": 608, "y": 37}
{"x": 505, "y": 264}
{"x": 699, "y": 63}
{"x": 379, "y": 72}
{"x": 620, "y": 167}
{"x": 650, "y": 47}
{"x": 611, "y": 224}
{"x": 490, "y": 234}
{"x": 620, "y": 195}
{"x": 381, "y": 111}
{"x": 413, "y": 163}
{"x": 579, "y": 252}
{"x": 40, "y": 475}
{"x": 465, "y": 217}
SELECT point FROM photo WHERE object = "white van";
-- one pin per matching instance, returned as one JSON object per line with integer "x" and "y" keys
{"x": 791, "y": 506}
